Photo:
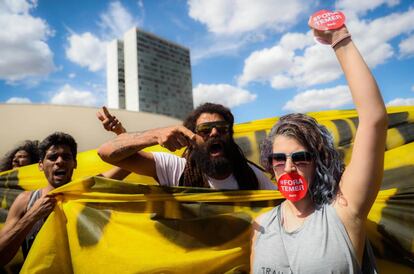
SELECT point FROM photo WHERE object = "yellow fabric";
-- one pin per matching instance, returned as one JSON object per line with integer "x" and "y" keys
{"x": 107, "y": 226}
{"x": 103, "y": 226}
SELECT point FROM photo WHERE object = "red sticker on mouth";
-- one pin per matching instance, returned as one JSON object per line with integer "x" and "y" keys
{"x": 326, "y": 20}
{"x": 292, "y": 186}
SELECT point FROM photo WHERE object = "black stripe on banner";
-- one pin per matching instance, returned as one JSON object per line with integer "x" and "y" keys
{"x": 407, "y": 132}
{"x": 344, "y": 131}
{"x": 260, "y": 136}
{"x": 395, "y": 119}
{"x": 245, "y": 145}
{"x": 355, "y": 121}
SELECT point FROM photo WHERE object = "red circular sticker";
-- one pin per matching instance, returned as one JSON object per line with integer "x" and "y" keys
{"x": 292, "y": 186}
{"x": 326, "y": 20}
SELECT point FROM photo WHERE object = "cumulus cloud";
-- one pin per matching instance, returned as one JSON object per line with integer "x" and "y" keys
{"x": 315, "y": 100}
{"x": 263, "y": 64}
{"x": 401, "y": 102}
{"x": 18, "y": 100}
{"x": 89, "y": 50}
{"x": 239, "y": 16}
{"x": 68, "y": 95}
{"x": 17, "y": 6}
{"x": 224, "y": 94}
{"x": 117, "y": 20}
{"x": 317, "y": 64}
{"x": 24, "y": 52}
{"x": 407, "y": 46}
{"x": 234, "y": 24}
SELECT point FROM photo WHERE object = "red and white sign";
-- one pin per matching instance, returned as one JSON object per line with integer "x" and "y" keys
{"x": 326, "y": 20}
{"x": 292, "y": 186}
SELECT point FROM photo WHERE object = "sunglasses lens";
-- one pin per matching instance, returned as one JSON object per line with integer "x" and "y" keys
{"x": 222, "y": 128}
{"x": 206, "y": 128}
{"x": 301, "y": 157}
{"x": 277, "y": 158}
{"x": 203, "y": 129}
{"x": 298, "y": 158}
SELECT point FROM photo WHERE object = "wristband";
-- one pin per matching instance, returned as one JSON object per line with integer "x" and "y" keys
{"x": 340, "y": 39}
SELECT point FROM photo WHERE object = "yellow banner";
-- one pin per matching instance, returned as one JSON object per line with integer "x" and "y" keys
{"x": 104, "y": 225}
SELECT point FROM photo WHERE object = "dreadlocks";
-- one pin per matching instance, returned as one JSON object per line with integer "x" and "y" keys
{"x": 193, "y": 175}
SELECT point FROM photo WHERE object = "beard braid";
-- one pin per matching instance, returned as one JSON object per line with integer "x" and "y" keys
{"x": 217, "y": 166}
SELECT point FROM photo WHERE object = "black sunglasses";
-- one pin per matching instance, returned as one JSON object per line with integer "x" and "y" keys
{"x": 299, "y": 157}
{"x": 205, "y": 129}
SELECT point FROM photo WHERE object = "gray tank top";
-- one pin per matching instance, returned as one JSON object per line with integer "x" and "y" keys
{"x": 320, "y": 245}
{"x": 27, "y": 243}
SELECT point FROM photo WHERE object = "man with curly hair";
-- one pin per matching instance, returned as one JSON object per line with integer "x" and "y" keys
{"x": 211, "y": 159}
{"x": 22, "y": 155}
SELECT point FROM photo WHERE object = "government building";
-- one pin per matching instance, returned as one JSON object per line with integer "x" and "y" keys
{"x": 148, "y": 73}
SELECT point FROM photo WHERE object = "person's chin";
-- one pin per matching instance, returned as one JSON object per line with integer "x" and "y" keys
{"x": 59, "y": 182}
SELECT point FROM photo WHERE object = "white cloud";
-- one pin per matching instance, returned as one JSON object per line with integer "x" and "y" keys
{"x": 239, "y": 16}
{"x": 407, "y": 46}
{"x": 315, "y": 100}
{"x": 401, "y": 102}
{"x": 24, "y": 52}
{"x": 233, "y": 24}
{"x": 87, "y": 50}
{"x": 262, "y": 65}
{"x": 317, "y": 64}
{"x": 359, "y": 6}
{"x": 373, "y": 38}
{"x": 18, "y": 100}
{"x": 294, "y": 41}
{"x": 68, "y": 95}
{"x": 17, "y": 6}
{"x": 72, "y": 75}
{"x": 117, "y": 20}
{"x": 224, "y": 94}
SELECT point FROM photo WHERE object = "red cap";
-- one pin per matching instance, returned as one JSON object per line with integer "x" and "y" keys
{"x": 326, "y": 20}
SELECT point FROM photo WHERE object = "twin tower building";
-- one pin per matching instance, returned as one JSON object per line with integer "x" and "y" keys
{"x": 148, "y": 73}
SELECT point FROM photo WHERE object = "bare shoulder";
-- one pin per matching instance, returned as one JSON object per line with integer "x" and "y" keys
{"x": 18, "y": 208}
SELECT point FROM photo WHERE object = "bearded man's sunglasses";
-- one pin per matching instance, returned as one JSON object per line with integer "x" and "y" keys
{"x": 298, "y": 158}
{"x": 205, "y": 129}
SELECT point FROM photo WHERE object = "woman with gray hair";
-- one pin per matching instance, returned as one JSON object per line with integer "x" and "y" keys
{"x": 320, "y": 227}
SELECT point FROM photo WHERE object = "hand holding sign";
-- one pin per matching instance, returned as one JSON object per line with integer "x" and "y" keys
{"x": 328, "y": 27}
{"x": 327, "y": 20}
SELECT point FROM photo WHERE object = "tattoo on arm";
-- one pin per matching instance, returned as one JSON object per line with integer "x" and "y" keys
{"x": 123, "y": 147}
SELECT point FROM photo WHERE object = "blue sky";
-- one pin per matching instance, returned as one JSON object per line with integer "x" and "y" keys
{"x": 257, "y": 57}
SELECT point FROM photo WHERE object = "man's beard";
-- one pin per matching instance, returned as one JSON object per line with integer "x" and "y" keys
{"x": 218, "y": 166}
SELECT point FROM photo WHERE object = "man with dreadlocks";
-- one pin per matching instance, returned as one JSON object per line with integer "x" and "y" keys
{"x": 211, "y": 159}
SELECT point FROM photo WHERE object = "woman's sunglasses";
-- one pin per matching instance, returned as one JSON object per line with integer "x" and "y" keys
{"x": 205, "y": 129}
{"x": 298, "y": 158}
